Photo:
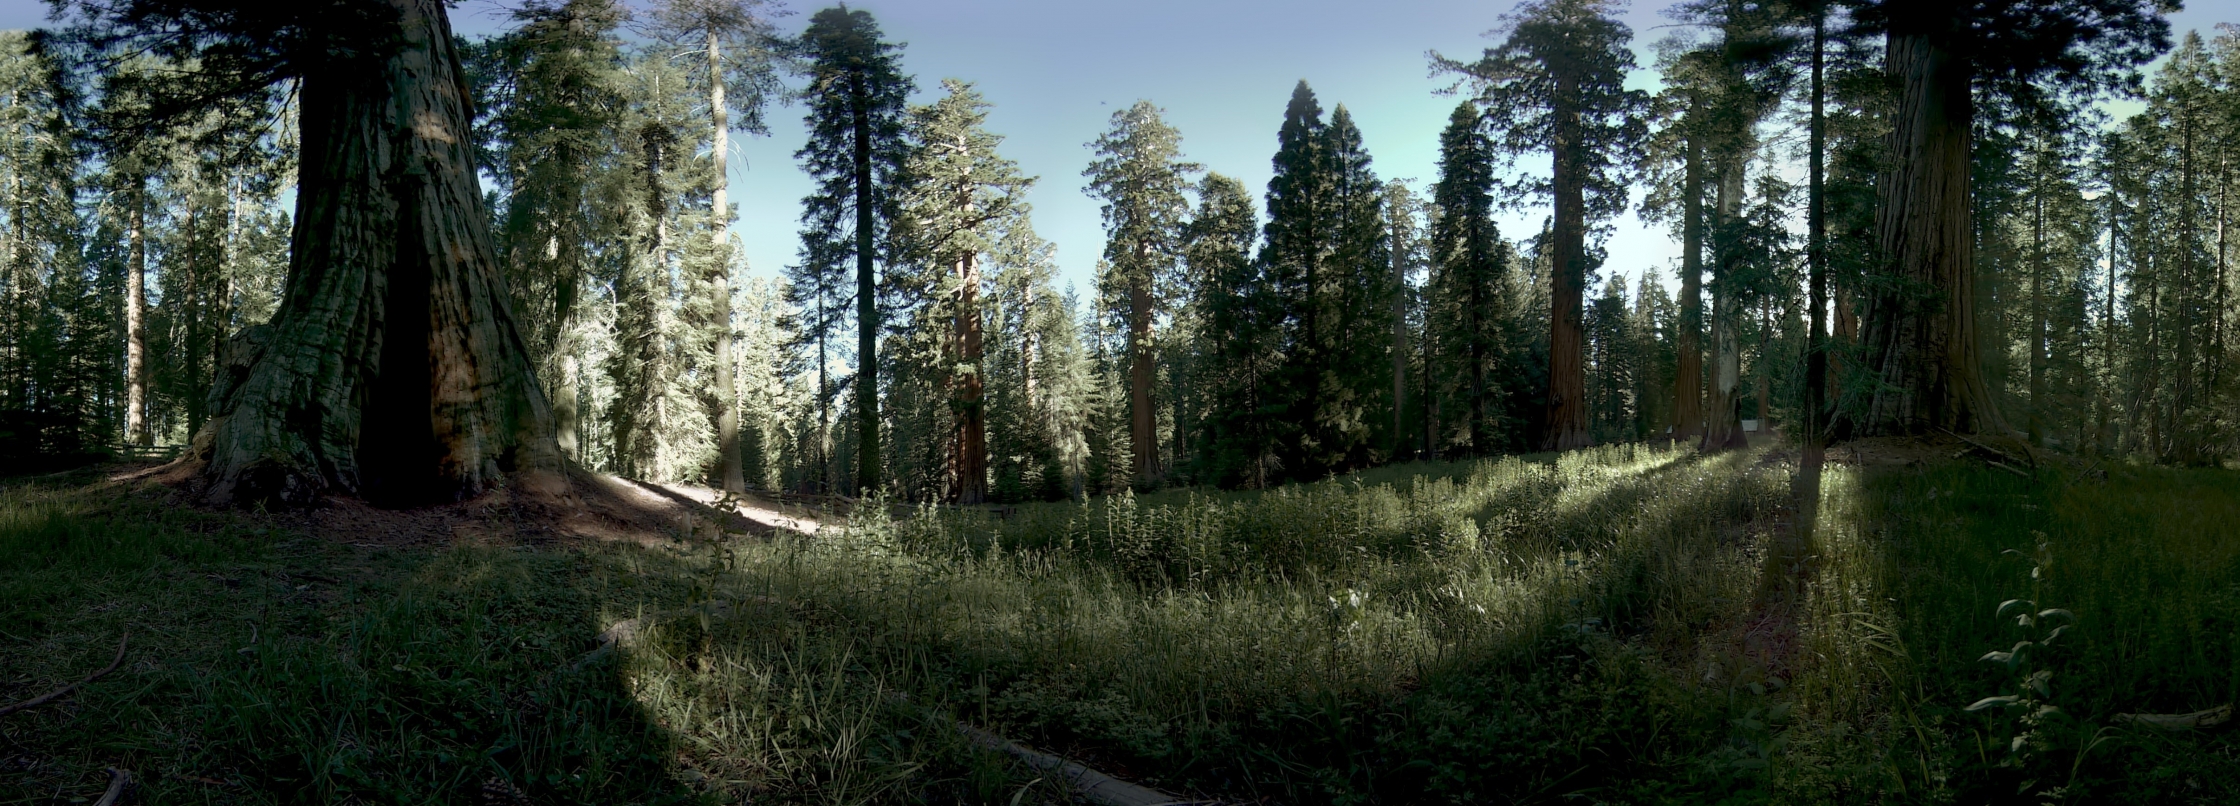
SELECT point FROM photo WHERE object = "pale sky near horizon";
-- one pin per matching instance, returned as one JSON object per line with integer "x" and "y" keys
{"x": 1222, "y": 70}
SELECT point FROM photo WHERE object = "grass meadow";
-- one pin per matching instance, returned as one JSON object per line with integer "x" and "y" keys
{"x": 1616, "y": 625}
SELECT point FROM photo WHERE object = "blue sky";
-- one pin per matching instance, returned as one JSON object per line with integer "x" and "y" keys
{"x": 1222, "y": 69}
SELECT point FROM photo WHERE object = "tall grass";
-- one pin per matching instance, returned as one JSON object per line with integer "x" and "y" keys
{"x": 1594, "y": 627}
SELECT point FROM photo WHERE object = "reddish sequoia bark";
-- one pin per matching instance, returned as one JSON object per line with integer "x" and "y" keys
{"x": 1921, "y": 346}
{"x": 394, "y": 368}
{"x": 970, "y": 387}
{"x": 1567, "y": 379}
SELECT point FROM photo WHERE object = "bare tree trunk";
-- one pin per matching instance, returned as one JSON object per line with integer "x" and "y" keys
{"x": 1722, "y": 428}
{"x": 2038, "y": 301}
{"x": 1814, "y": 439}
{"x": 1567, "y": 379}
{"x": 1143, "y": 428}
{"x": 1687, "y": 381}
{"x": 726, "y": 396}
{"x": 1923, "y": 351}
{"x": 971, "y": 387}
{"x": 136, "y": 321}
{"x": 867, "y": 299}
{"x": 395, "y": 367}
{"x": 1399, "y": 353}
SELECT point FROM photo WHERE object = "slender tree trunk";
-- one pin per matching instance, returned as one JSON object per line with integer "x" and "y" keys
{"x": 1399, "y": 351}
{"x": 1567, "y": 381}
{"x": 1687, "y": 381}
{"x": 1723, "y": 418}
{"x": 1923, "y": 351}
{"x": 1814, "y": 440}
{"x": 395, "y": 367}
{"x": 726, "y": 392}
{"x": 2038, "y": 303}
{"x": 971, "y": 387}
{"x": 867, "y": 299}
{"x": 136, "y": 321}
{"x": 1480, "y": 435}
{"x": 1143, "y": 427}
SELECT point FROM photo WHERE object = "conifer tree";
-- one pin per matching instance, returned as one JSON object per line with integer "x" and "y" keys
{"x": 1410, "y": 252}
{"x": 737, "y": 71}
{"x": 1230, "y": 298}
{"x": 1140, "y": 176}
{"x": 1469, "y": 293}
{"x": 964, "y": 194}
{"x": 857, "y": 150}
{"x": 1557, "y": 84}
{"x": 1922, "y": 349}
{"x": 551, "y": 115}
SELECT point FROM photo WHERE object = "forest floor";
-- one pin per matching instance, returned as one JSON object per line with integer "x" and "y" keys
{"x": 1615, "y": 625}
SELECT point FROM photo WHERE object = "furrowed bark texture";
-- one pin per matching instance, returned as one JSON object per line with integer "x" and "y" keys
{"x": 1567, "y": 379}
{"x": 394, "y": 367}
{"x": 1922, "y": 354}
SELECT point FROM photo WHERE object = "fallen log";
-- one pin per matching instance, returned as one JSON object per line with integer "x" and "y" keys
{"x": 2198, "y": 720}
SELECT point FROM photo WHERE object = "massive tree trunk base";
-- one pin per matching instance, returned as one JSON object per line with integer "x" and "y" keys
{"x": 394, "y": 368}
{"x": 1923, "y": 363}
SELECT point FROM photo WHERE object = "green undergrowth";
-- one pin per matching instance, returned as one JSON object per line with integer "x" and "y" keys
{"x": 1591, "y": 628}
{"x": 272, "y": 667}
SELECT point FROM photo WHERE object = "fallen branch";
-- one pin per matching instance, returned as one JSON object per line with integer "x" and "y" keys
{"x": 1094, "y": 786}
{"x": 2176, "y": 722}
{"x": 2030, "y": 459}
{"x": 51, "y": 696}
{"x": 119, "y": 782}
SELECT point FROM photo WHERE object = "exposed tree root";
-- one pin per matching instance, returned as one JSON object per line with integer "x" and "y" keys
{"x": 56, "y": 694}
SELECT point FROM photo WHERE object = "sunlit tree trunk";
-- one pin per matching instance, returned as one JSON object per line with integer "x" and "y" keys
{"x": 395, "y": 368}
{"x": 136, "y": 320}
{"x": 726, "y": 395}
{"x": 1722, "y": 427}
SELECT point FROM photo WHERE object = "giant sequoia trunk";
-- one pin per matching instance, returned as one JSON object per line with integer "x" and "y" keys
{"x": 1567, "y": 378}
{"x": 394, "y": 368}
{"x": 1921, "y": 347}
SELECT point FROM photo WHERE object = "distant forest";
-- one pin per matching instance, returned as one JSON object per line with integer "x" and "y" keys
{"x": 225, "y": 229}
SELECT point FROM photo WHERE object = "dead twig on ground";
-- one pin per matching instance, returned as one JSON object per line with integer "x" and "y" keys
{"x": 56, "y": 694}
{"x": 120, "y": 782}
